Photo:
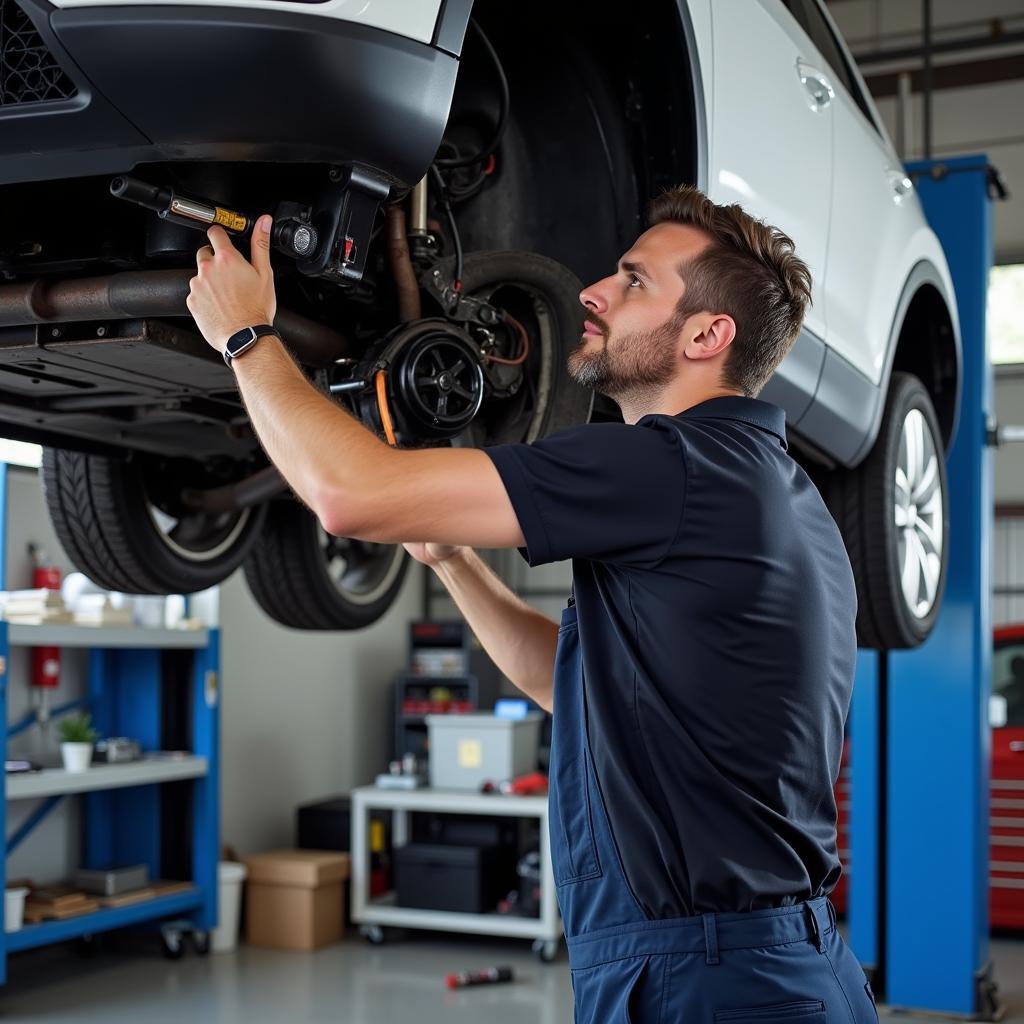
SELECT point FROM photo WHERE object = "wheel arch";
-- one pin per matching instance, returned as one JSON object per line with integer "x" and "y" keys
{"x": 602, "y": 119}
{"x": 928, "y": 346}
{"x": 924, "y": 340}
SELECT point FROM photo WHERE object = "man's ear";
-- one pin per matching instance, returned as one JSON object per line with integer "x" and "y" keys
{"x": 708, "y": 335}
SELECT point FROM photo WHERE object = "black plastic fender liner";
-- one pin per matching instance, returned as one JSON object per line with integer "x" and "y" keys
{"x": 266, "y": 85}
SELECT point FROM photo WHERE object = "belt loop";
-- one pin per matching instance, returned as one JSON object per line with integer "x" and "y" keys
{"x": 814, "y": 927}
{"x": 710, "y": 939}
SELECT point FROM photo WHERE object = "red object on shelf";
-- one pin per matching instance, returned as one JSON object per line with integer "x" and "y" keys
{"x": 526, "y": 785}
{"x": 46, "y": 660}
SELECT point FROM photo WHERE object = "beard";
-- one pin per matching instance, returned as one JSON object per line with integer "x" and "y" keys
{"x": 635, "y": 368}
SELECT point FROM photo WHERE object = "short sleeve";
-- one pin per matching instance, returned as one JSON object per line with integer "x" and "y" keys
{"x": 610, "y": 492}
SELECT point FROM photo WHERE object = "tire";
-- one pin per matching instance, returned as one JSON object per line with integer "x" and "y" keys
{"x": 544, "y": 296}
{"x": 883, "y": 536}
{"x": 290, "y": 573}
{"x": 109, "y": 526}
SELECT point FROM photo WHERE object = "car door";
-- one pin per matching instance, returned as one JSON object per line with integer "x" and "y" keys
{"x": 874, "y": 210}
{"x": 771, "y": 145}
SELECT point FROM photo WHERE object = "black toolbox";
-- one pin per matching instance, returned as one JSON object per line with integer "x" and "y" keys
{"x": 440, "y": 876}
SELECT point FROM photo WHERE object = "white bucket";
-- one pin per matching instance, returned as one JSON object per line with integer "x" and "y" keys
{"x": 77, "y": 756}
{"x": 230, "y": 877}
{"x": 14, "y": 909}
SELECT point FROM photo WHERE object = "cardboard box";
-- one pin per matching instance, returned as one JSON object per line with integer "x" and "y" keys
{"x": 295, "y": 899}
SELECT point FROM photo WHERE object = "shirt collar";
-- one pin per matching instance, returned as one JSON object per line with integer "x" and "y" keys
{"x": 751, "y": 411}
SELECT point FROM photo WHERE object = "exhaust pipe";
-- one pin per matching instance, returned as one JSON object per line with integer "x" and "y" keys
{"x": 145, "y": 294}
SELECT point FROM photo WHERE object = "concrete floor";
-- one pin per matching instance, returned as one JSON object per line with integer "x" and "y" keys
{"x": 350, "y": 983}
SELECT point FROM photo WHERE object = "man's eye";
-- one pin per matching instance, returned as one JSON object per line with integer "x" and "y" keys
{"x": 634, "y": 280}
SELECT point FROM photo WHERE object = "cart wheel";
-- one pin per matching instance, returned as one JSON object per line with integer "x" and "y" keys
{"x": 546, "y": 950}
{"x": 171, "y": 939}
{"x": 373, "y": 933}
{"x": 200, "y": 941}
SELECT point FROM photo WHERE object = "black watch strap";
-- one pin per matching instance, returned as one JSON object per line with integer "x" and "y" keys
{"x": 243, "y": 340}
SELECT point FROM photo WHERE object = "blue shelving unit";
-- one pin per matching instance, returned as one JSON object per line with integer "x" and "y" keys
{"x": 122, "y": 813}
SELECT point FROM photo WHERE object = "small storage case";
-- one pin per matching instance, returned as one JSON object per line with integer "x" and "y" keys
{"x": 468, "y": 750}
{"x": 467, "y": 879}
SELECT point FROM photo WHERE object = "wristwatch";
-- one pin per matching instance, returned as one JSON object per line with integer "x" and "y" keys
{"x": 243, "y": 340}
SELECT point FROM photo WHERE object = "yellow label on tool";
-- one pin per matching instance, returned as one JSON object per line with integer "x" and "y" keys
{"x": 230, "y": 220}
{"x": 376, "y": 836}
{"x": 470, "y": 754}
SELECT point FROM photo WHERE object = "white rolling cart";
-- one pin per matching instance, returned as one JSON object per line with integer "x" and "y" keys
{"x": 373, "y": 915}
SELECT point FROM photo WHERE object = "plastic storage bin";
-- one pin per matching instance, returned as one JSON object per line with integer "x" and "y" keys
{"x": 230, "y": 877}
{"x": 14, "y": 909}
{"x": 468, "y": 750}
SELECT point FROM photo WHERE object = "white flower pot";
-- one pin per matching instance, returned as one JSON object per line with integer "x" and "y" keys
{"x": 77, "y": 756}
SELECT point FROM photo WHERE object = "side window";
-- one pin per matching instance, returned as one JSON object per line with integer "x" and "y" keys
{"x": 824, "y": 39}
{"x": 1008, "y": 680}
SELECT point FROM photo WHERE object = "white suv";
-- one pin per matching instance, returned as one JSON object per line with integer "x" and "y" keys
{"x": 440, "y": 185}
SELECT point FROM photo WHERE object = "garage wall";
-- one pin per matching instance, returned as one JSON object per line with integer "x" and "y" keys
{"x": 1008, "y": 540}
{"x": 52, "y": 848}
{"x": 305, "y": 715}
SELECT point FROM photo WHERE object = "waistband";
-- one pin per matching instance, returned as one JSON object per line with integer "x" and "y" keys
{"x": 709, "y": 934}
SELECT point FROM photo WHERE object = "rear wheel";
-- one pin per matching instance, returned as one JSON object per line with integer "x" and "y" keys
{"x": 306, "y": 578}
{"x": 893, "y": 513}
{"x": 122, "y": 524}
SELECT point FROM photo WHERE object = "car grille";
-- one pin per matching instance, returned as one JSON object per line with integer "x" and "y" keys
{"x": 29, "y": 73}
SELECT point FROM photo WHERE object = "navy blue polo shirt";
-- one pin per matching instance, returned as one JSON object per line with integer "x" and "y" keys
{"x": 716, "y": 610}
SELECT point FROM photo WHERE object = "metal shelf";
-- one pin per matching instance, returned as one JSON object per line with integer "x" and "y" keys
{"x": 46, "y": 932}
{"x": 368, "y": 912}
{"x": 384, "y": 911}
{"x": 68, "y": 635}
{"x": 56, "y": 781}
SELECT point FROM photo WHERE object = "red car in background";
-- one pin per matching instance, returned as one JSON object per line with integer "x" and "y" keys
{"x": 1006, "y": 867}
{"x": 1006, "y": 821}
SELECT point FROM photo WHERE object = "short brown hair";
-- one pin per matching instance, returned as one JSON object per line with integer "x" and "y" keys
{"x": 750, "y": 271}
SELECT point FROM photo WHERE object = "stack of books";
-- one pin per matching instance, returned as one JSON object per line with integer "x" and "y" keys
{"x": 97, "y": 610}
{"x": 57, "y": 902}
{"x": 34, "y": 607}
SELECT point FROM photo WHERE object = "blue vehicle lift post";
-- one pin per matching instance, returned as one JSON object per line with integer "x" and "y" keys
{"x": 921, "y": 749}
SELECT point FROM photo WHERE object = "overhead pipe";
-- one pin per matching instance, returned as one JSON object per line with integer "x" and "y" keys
{"x": 142, "y": 294}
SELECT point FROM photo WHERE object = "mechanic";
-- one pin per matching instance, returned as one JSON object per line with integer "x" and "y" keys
{"x": 701, "y": 675}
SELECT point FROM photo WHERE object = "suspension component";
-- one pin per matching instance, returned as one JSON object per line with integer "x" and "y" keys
{"x": 425, "y": 380}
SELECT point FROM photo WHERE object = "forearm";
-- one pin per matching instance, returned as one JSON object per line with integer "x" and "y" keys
{"x": 520, "y": 640}
{"x": 310, "y": 439}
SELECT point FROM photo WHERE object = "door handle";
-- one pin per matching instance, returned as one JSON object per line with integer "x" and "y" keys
{"x": 900, "y": 181}
{"x": 816, "y": 85}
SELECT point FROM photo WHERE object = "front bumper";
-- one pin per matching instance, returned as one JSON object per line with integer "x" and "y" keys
{"x": 182, "y": 82}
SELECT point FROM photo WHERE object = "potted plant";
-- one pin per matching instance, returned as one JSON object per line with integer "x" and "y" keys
{"x": 77, "y": 737}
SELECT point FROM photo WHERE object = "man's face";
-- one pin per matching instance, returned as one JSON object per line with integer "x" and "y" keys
{"x": 631, "y": 323}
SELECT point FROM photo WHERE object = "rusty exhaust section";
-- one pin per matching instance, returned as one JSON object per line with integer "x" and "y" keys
{"x": 144, "y": 294}
{"x": 254, "y": 490}
{"x": 410, "y": 306}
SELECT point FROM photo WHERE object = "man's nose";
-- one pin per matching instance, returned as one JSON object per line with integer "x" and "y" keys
{"x": 593, "y": 300}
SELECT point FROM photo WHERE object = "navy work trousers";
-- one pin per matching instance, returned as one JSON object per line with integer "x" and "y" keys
{"x": 779, "y": 965}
